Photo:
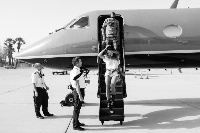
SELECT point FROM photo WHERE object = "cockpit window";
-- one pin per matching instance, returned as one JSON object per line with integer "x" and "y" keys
{"x": 81, "y": 23}
{"x": 69, "y": 23}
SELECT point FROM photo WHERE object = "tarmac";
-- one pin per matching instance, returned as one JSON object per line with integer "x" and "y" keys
{"x": 166, "y": 102}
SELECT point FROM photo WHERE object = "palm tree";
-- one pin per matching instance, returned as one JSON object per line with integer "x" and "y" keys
{"x": 4, "y": 55}
{"x": 1, "y": 56}
{"x": 19, "y": 41}
{"x": 9, "y": 42}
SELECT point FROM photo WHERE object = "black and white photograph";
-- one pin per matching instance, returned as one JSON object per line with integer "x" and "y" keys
{"x": 106, "y": 66}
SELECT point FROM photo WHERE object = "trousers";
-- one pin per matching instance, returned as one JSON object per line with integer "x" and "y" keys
{"x": 41, "y": 100}
{"x": 77, "y": 108}
{"x": 82, "y": 92}
{"x": 112, "y": 42}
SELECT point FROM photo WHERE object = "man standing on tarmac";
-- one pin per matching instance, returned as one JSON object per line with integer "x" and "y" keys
{"x": 40, "y": 92}
{"x": 75, "y": 80}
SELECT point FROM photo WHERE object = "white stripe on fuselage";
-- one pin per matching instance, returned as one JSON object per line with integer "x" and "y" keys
{"x": 126, "y": 53}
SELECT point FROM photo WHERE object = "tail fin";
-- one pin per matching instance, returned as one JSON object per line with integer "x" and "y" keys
{"x": 174, "y": 5}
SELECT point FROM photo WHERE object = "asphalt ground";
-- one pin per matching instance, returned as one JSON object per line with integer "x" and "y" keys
{"x": 166, "y": 102}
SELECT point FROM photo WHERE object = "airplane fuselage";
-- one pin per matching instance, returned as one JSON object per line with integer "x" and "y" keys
{"x": 158, "y": 38}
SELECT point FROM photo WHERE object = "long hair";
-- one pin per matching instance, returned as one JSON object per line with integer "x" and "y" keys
{"x": 114, "y": 56}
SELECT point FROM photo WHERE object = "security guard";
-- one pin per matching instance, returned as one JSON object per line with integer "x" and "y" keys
{"x": 40, "y": 92}
{"x": 76, "y": 80}
{"x": 110, "y": 31}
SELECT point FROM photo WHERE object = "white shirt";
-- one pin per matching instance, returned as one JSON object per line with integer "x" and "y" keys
{"x": 38, "y": 78}
{"x": 82, "y": 81}
{"x": 111, "y": 63}
{"x": 75, "y": 71}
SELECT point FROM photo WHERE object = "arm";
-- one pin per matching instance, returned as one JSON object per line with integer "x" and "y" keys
{"x": 35, "y": 89}
{"x": 120, "y": 71}
{"x": 77, "y": 76}
{"x": 118, "y": 30}
{"x": 78, "y": 90}
{"x": 103, "y": 29}
{"x": 46, "y": 87}
{"x": 34, "y": 81}
{"x": 100, "y": 55}
{"x": 103, "y": 34}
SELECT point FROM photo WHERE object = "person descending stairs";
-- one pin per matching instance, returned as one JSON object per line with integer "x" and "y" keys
{"x": 111, "y": 88}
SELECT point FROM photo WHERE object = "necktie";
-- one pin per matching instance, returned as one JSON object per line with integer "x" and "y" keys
{"x": 40, "y": 74}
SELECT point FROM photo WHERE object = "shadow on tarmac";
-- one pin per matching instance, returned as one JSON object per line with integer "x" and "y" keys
{"x": 177, "y": 117}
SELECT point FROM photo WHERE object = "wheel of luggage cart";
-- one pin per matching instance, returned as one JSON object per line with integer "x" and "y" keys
{"x": 121, "y": 122}
{"x": 102, "y": 122}
{"x": 69, "y": 99}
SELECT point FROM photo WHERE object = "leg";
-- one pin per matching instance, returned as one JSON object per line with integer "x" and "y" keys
{"x": 76, "y": 124}
{"x": 108, "y": 80}
{"x": 109, "y": 42}
{"x": 115, "y": 44}
{"x": 113, "y": 83}
{"x": 75, "y": 117}
{"x": 82, "y": 92}
{"x": 103, "y": 44}
{"x": 77, "y": 106}
{"x": 45, "y": 102}
{"x": 79, "y": 109}
{"x": 37, "y": 102}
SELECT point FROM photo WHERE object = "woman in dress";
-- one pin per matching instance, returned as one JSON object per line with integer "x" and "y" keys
{"x": 111, "y": 58}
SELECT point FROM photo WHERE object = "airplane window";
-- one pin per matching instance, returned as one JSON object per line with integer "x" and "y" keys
{"x": 81, "y": 23}
{"x": 69, "y": 23}
{"x": 172, "y": 31}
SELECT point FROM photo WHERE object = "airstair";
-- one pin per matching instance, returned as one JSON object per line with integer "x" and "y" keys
{"x": 116, "y": 112}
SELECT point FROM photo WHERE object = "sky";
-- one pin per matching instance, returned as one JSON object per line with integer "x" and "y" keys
{"x": 35, "y": 19}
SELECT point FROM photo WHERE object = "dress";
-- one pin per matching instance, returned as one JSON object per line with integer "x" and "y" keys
{"x": 111, "y": 66}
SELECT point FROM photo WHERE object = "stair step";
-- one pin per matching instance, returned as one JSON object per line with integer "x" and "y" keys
{"x": 112, "y": 117}
{"x": 116, "y": 104}
{"x": 119, "y": 96}
{"x": 117, "y": 93}
{"x": 114, "y": 111}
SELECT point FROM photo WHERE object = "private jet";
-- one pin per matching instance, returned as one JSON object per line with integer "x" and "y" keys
{"x": 150, "y": 38}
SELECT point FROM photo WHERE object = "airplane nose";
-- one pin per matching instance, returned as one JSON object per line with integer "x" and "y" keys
{"x": 36, "y": 50}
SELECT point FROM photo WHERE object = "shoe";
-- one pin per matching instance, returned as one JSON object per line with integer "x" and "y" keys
{"x": 48, "y": 114}
{"x": 109, "y": 103}
{"x": 79, "y": 128}
{"x": 125, "y": 95}
{"x": 40, "y": 117}
{"x": 111, "y": 111}
{"x": 113, "y": 99}
{"x": 81, "y": 124}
